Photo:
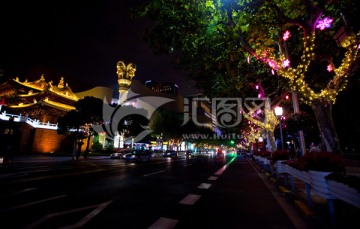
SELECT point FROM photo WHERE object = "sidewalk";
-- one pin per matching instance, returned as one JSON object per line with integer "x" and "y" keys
{"x": 241, "y": 197}
{"x": 317, "y": 213}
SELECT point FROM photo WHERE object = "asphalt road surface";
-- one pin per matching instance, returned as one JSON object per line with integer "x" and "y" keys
{"x": 200, "y": 192}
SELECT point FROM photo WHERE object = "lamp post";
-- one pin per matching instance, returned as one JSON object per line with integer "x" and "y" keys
{"x": 279, "y": 112}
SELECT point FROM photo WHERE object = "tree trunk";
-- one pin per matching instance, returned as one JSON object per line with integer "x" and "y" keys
{"x": 271, "y": 146}
{"x": 87, "y": 146}
{"x": 323, "y": 115}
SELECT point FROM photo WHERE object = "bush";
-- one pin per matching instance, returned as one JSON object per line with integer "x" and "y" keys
{"x": 280, "y": 155}
{"x": 265, "y": 153}
{"x": 97, "y": 146}
{"x": 110, "y": 149}
{"x": 320, "y": 161}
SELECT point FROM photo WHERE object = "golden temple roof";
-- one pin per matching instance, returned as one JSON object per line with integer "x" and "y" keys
{"x": 47, "y": 102}
{"x": 62, "y": 89}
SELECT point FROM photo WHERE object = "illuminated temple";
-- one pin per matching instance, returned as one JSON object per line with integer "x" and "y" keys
{"x": 38, "y": 99}
{"x": 36, "y": 106}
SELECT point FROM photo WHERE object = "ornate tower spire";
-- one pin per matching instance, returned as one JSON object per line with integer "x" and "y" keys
{"x": 125, "y": 74}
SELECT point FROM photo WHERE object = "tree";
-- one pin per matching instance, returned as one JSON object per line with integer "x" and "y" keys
{"x": 166, "y": 124}
{"x": 214, "y": 38}
{"x": 132, "y": 125}
{"x": 77, "y": 123}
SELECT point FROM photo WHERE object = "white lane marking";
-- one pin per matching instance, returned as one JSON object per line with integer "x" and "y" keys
{"x": 88, "y": 217}
{"x": 32, "y": 167}
{"x": 190, "y": 199}
{"x": 204, "y": 186}
{"x": 149, "y": 174}
{"x": 164, "y": 223}
{"x": 24, "y": 173}
{"x": 17, "y": 193}
{"x": 187, "y": 165}
{"x": 221, "y": 170}
{"x": 212, "y": 178}
{"x": 36, "y": 202}
{"x": 98, "y": 208}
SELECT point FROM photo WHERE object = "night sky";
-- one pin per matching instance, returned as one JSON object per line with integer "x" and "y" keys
{"x": 81, "y": 41}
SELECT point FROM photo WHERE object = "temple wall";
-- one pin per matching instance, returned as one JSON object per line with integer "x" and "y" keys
{"x": 46, "y": 141}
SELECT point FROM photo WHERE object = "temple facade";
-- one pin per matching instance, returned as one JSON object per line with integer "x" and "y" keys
{"x": 35, "y": 107}
{"x": 38, "y": 99}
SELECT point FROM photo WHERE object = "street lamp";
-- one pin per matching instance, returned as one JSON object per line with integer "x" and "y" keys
{"x": 279, "y": 112}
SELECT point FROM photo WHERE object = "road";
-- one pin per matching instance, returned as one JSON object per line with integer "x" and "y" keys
{"x": 99, "y": 192}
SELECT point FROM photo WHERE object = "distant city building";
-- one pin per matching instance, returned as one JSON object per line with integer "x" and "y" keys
{"x": 152, "y": 85}
{"x": 169, "y": 88}
{"x": 166, "y": 88}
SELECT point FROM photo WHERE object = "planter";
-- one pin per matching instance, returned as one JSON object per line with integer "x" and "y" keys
{"x": 301, "y": 175}
{"x": 280, "y": 167}
{"x": 319, "y": 184}
{"x": 266, "y": 161}
{"x": 261, "y": 159}
{"x": 344, "y": 192}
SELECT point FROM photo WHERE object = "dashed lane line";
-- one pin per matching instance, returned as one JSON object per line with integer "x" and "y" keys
{"x": 190, "y": 199}
{"x": 204, "y": 186}
{"x": 164, "y": 223}
{"x": 212, "y": 178}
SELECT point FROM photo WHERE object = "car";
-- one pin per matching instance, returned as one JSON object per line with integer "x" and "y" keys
{"x": 170, "y": 153}
{"x": 189, "y": 153}
{"x": 145, "y": 155}
{"x": 119, "y": 154}
{"x": 139, "y": 155}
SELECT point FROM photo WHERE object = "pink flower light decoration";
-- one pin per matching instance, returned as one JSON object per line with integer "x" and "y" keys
{"x": 273, "y": 64}
{"x": 286, "y": 35}
{"x": 329, "y": 68}
{"x": 325, "y": 23}
{"x": 286, "y": 63}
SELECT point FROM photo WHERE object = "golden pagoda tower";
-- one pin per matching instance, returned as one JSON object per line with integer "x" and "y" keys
{"x": 125, "y": 74}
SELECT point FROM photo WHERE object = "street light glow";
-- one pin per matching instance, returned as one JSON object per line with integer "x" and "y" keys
{"x": 278, "y": 111}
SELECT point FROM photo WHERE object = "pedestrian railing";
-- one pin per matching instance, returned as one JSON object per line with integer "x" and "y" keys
{"x": 32, "y": 122}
